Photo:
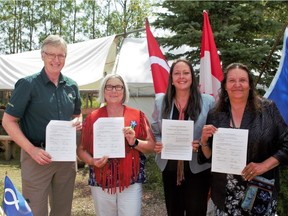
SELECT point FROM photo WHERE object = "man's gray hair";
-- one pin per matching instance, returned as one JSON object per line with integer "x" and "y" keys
{"x": 54, "y": 40}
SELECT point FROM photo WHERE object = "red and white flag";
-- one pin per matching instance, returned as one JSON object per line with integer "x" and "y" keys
{"x": 211, "y": 73}
{"x": 159, "y": 66}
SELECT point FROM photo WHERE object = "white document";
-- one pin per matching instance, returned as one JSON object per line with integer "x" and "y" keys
{"x": 61, "y": 140}
{"x": 229, "y": 150}
{"x": 177, "y": 137}
{"x": 108, "y": 138}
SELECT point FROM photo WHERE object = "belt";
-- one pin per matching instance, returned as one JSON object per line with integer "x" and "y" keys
{"x": 40, "y": 144}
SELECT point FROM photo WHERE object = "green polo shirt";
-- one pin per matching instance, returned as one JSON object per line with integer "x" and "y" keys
{"x": 36, "y": 100}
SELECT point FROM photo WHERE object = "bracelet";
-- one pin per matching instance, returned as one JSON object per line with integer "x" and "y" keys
{"x": 135, "y": 144}
{"x": 202, "y": 145}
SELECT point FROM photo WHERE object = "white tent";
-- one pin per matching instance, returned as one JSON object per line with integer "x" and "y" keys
{"x": 134, "y": 66}
{"x": 88, "y": 62}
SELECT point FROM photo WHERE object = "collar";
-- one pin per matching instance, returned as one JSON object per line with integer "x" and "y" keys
{"x": 62, "y": 79}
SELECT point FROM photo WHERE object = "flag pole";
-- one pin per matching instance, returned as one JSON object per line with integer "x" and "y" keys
{"x": 271, "y": 52}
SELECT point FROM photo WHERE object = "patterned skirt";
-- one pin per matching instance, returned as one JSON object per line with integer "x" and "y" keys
{"x": 235, "y": 193}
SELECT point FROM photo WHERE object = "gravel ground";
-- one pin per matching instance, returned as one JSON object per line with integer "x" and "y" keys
{"x": 153, "y": 204}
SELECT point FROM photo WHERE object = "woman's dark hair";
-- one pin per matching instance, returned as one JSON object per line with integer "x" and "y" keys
{"x": 223, "y": 103}
{"x": 195, "y": 101}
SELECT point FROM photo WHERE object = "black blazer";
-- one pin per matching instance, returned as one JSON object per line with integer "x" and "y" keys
{"x": 268, "y": 136}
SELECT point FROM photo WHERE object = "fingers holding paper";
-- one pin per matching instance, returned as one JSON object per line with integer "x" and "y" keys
{"x": 207, "y": 132}
{"x": 158, "y": 147}
{"x": 195, "y": 145}
{"x": 129, "y": 134}
{"x": 77, "y": 122}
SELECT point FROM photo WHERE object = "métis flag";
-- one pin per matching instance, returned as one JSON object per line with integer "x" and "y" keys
{"x": 159, "y": 66}
{"x": 14, "y": 203}
{"x": 211, "y": 73}
{"x": 278, "y": 89}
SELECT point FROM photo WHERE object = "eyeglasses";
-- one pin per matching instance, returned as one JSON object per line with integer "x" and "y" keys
{"x": 116, "y": 87}
{"x": 53, "y": 56}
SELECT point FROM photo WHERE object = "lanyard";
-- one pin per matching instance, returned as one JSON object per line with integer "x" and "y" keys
{"x": 231, "y": 117}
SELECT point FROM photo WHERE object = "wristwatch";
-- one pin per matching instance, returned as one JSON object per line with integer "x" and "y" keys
{"x": 135, "y": 144}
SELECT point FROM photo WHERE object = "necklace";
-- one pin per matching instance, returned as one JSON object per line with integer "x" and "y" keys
{"x": 232, "y": 120}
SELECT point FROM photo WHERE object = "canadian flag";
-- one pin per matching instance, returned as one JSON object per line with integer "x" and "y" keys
{"x": 159, "y": 66}
{"x": 211, "y": 73}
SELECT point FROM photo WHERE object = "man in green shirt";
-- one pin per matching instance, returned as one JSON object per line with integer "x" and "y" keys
{"x": 37, "y": 99}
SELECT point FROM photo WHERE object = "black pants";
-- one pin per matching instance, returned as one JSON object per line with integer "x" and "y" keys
{"x": 190, "y": 197}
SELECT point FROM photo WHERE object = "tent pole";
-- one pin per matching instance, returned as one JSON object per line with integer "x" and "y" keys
{"x": 120, "y": 45}
{"x": 129, "y": 32}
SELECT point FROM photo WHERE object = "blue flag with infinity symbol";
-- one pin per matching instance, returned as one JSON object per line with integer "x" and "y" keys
{"x": 14, "y": 203}
{"x": 278, "y": 90}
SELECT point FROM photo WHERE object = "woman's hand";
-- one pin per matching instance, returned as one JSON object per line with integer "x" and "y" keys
{"x": 99, "y": 162}
{"x": 129, "y": 134}
{"x": 195, "y": 145}
{"x": 256, "y": 169}
{"x": 158, "y": 147}
{"x": 207, "y": 131}
{"x": 252, "y": 170}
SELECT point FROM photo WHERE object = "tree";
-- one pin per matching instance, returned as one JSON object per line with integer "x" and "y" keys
{"x": 244, "y": 31}
{"x": 128, "y": 15}
{"x": 23, "y": 24}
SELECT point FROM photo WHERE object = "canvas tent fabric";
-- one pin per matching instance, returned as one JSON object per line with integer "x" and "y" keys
{"x": 85, "y": 63}
{"x": 88, "y": 62}
{"x": 134, "y": 66}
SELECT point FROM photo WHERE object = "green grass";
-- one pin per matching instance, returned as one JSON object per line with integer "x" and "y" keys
{"x": 283, "y": 195}
{"x": 12, "y": 169}
{"x": 82, "y": 201}
{"x": 154, "y": 178}
{"x": 153, "y": 189}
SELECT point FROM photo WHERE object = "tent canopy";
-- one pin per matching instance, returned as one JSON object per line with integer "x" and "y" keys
{"x": 134, "y": 66}
{"x": 88, "y": 62}
{"x": 85, "y": 63}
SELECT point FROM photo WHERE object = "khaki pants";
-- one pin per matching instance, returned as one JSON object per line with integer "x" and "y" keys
{"x": 55, "y": 181}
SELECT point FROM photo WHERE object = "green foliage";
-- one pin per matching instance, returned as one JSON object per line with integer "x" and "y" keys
{"x": 282, "y": 197}
{"x": 154, "y": 177}
{"x": 129, "y": 16}
{"x": 24, "y": 23}
{"x": 89, "y": 100}
{"x": 244, "y": 31}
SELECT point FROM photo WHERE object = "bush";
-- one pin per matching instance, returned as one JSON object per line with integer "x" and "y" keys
{"x": 283, "y": 195}
{"x": 154, "y": 177}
